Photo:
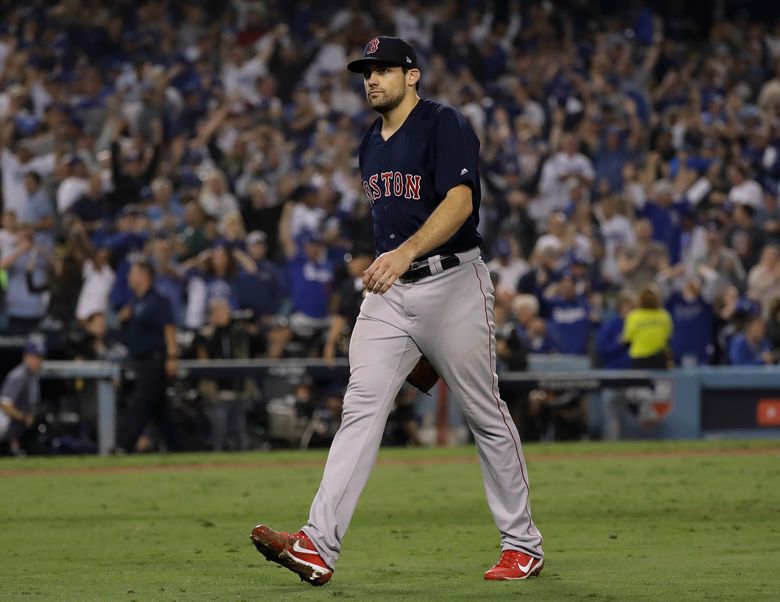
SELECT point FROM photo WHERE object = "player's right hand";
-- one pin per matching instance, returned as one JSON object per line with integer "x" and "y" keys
{"x": 385, "y": 270}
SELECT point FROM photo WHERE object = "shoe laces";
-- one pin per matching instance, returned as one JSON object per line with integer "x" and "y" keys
{"x": 509, "y": 559}
{"x": 299, "y": 536}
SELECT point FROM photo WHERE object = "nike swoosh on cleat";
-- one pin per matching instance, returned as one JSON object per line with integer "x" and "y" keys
{"x": 298, "y": 548}
{"x": 527, "y": 566}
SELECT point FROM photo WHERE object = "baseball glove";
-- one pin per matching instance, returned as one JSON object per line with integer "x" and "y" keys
{"x": 423, "y": 375}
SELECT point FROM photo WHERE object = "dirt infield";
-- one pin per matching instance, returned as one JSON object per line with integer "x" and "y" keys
{"x": 465, "y": 459}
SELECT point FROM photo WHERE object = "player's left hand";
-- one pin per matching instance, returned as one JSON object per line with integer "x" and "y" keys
{"x": 385, "y": 270}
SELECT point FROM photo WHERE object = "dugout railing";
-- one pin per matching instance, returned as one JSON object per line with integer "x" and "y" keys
{"x": 690, "y": 403}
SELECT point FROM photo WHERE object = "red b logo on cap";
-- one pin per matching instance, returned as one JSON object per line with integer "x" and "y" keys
{"x": 372, "y": 46}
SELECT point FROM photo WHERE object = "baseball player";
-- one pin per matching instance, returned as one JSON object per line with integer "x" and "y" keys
{"x": 429, "y": 294}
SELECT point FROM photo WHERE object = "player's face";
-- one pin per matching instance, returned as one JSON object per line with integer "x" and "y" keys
{"x": 385, "y": 87}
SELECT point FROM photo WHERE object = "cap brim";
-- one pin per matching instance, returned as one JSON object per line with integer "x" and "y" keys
{"x": 359, "y": 66}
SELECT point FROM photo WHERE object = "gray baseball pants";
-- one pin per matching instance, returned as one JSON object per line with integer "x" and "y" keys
{"x": 448, "y": 317}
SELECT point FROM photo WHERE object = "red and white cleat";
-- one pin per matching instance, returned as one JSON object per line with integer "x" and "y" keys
{"x": 294, "y": 551}
{"x": 514, "y": 565}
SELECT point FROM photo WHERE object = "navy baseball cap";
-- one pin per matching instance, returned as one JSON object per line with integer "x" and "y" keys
{"x": 35, "y": 346}
{"x": 386, "y": 49}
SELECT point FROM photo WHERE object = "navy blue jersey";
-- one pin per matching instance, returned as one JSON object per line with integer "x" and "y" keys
{"x": 144, "y": 331}
{"x": 410, "y": 173}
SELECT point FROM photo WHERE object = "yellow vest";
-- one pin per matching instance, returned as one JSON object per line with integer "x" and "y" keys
{"x": 648, "y": 331}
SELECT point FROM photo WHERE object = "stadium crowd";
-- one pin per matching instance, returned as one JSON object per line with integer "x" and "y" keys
{"x": 218, "y": 140}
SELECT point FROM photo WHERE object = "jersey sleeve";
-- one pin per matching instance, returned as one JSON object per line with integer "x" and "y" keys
{"x": 456, "y": 152}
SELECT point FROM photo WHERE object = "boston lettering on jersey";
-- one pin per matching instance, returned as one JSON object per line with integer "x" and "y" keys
{"x": 393, "y": 183}
{"x": 408, "y": 174}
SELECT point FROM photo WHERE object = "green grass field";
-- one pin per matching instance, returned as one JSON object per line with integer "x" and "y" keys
{"x": 650, "y": 521}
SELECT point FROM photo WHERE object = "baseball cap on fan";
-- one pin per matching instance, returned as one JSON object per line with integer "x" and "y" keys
{"x": 35, "y": 346}
{"x": 386, "y": 49}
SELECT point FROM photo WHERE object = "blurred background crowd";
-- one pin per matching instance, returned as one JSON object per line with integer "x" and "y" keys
{"x": 630, "y": 162}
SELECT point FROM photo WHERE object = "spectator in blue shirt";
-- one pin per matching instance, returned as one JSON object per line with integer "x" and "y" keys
{"x": 261, "y": 291}
{"x": 38, "y": 213}
{"x": 664, "y": 215}
{"x": 25, "y": 304}
{"x": 751, "y": 348}
{"x": 124, "y": 244}
{"x": 169, "y": 280}
{"x": 163, "y": 207}
{"x": 91, "y": 208}
{"x": 570, "y": 315}
{"x": 538, "y": 338}
{"x": 221, "y": 275}
{"x": 612, "y": 353}
{"x": 693, "y": 317}
{"x": 611, "y": 350}
{"x": 214, "y": 274}
{"x": 544, "y": 265}
{"x": 615, "y": 150}
{"x": 310, "y": 277}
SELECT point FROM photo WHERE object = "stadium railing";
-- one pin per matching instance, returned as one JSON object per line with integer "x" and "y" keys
{"x": 688, "y": 403}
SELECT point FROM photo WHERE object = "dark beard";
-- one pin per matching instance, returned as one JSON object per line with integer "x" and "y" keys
{"x": 387, "y": 104}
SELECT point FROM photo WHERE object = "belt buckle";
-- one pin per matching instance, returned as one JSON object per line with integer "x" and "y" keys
{"x": 415, "y": 272}
{"x": 424, "y": 269}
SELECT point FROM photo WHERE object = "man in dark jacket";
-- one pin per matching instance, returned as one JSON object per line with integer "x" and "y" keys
{"x": 150, "y": 335}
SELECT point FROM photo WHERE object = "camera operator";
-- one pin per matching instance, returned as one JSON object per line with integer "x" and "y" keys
{"x": 19, "y": 398}
{"x": 226, "y": 398}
